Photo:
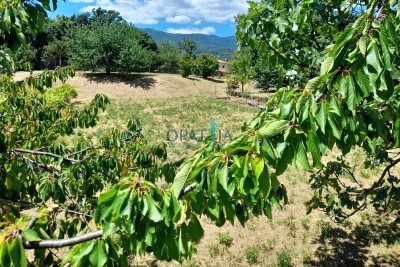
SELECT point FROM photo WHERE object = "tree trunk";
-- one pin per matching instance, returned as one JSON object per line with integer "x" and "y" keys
{"x": 108, "y": 70}
{"x": 60, "y": 61}
{"x": 242, "y": 88}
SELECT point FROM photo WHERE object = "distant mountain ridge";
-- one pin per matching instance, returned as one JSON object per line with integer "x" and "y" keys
{"x": 222, "y": 47}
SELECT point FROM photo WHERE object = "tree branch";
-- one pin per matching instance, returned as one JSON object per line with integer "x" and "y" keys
{"x": 48, "y": 154}
{"x": 60, "y": 243}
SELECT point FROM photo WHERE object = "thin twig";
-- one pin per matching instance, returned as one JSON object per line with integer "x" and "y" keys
{"x": 32, "y": 222}
{"x": 33, "y": 152}
{"x": 59, "y": 243}
{"x": 80, "y": 151}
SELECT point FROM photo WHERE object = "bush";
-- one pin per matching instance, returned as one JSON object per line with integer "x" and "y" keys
{"x": 251, "y": 255}
{"x": 225, "y": 239}
{"x": 284, "y": 259}
{"x": 205, "y": 65}
{"x": 185, "y": 65}
{"x": 232, "y": 82}
{"x": 61, "y": 95}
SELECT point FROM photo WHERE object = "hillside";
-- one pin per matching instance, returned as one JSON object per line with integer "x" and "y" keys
{"x": 222, "y": 47}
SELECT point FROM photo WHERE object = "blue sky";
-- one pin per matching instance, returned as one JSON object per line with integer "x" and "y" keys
{"x": 174, "y": 16}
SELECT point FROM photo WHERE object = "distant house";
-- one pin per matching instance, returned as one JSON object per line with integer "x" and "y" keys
{"x": 223, "y": 68}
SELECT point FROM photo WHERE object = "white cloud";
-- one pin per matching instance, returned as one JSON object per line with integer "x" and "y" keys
{"x": 179, "y": 19}
{"x": 205, "y": 30}
{"x": 197, "y": 22}
{"x": 82, "y": 1}
{"x": 151, "y": 11}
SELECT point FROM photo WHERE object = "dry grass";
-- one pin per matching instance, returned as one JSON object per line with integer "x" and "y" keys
{"x": 292, "y": 238}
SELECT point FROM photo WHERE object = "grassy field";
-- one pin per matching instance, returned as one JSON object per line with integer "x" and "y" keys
{"x": 292, "y": 238}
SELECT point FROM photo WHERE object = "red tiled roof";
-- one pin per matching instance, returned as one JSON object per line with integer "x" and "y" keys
{"x": 222, "y": 70}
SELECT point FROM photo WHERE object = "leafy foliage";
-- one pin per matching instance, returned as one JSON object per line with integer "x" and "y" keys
{"x": 114, "y": 47}
{"x": 242, "y": 66}
{"x": 188, "y": 45}
{"x": 168, "y": 54}
{"x": 351, "y": 102}
{"x": 115, "y": 185}
{"x": 24, "y": 57}
{"x": 205, "y": 65}
{"x": 60, "y": 96}
{"x": 54, "y": 51}
{"x": 185, "y": 64}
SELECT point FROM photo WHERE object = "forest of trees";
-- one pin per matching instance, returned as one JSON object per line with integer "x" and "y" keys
{"x": 98, "y": 41}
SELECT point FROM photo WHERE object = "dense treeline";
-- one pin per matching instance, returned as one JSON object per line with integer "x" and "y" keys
{"x": 98, "y": 41}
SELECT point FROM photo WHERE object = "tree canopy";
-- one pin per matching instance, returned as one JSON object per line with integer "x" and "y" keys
{"x": 108, "y": 42}
{"x": 242, "y": 65}
{"x": 205, "y": 65}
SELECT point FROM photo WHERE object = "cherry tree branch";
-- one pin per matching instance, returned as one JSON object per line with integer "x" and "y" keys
{"x": 48, "y": 154}
{"x": 59, "y": 243}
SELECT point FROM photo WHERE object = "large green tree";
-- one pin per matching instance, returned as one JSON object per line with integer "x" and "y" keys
{"x": 242, "y": 66}
{"x": 55, "y": 51}
{"x": 168, "y": 54}
{"x": 112, "y": 46}
{"x": 107, "y": 201}
{"x": 205, "y": 65}
{"x": 188, "y": 46}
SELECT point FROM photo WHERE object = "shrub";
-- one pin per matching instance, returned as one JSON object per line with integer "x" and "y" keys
{"x": 284, "y": 259}
{"x": 205, "y": 65}
{"x": 61, "y": 95}
{"x": 232, "y": 82}
{"x": 251, "y": 255}
{"x": 225, "y": 239}
{"x": 185, "y": 66}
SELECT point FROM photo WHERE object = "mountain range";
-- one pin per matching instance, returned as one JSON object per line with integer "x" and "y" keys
{"x": 222, "y": 47}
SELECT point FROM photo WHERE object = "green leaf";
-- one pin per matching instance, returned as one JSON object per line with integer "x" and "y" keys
{"x": 83, "y": 250}
{"x": 181, "y": 177}
{"x": 321, "y": 116}
{"x": 363, "y": 81}
{"x": 384, "y": 42}
{"x": 235, "y": 143}
{"x": 265, "y": 182}
{"x": 327, "y": 65}
{"x": 313, "y": 146}
{"x": 373, "y": 58}
{"x": 334, "y": 126}
{"x": 223, "y": 176}
{"x": 362, "y": 44}
{"x": 274, "y": 181}
{"x": 351, "y": 93}
{"x": 286, "y": 109}
{"x": 236, "y": 160}
{"x": 46, "y": 4}
{"x": 257, "y": 165}
{"x": 286, "y": 157}
{"x": 267, "y": 151}
{"x": 387, "y": 88}
{"x": 105, "y": 204}
{"x": 30, "y": 235}
{"x": 301, "y": 156}
{"x": 272, "y": 128}
{"x": 195, "y": 229}
{"x": 98, "y": 256}
{"x": 154, "y": 214}
{"x": 300, "y": 102}
{"x": 17, "y": 253}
